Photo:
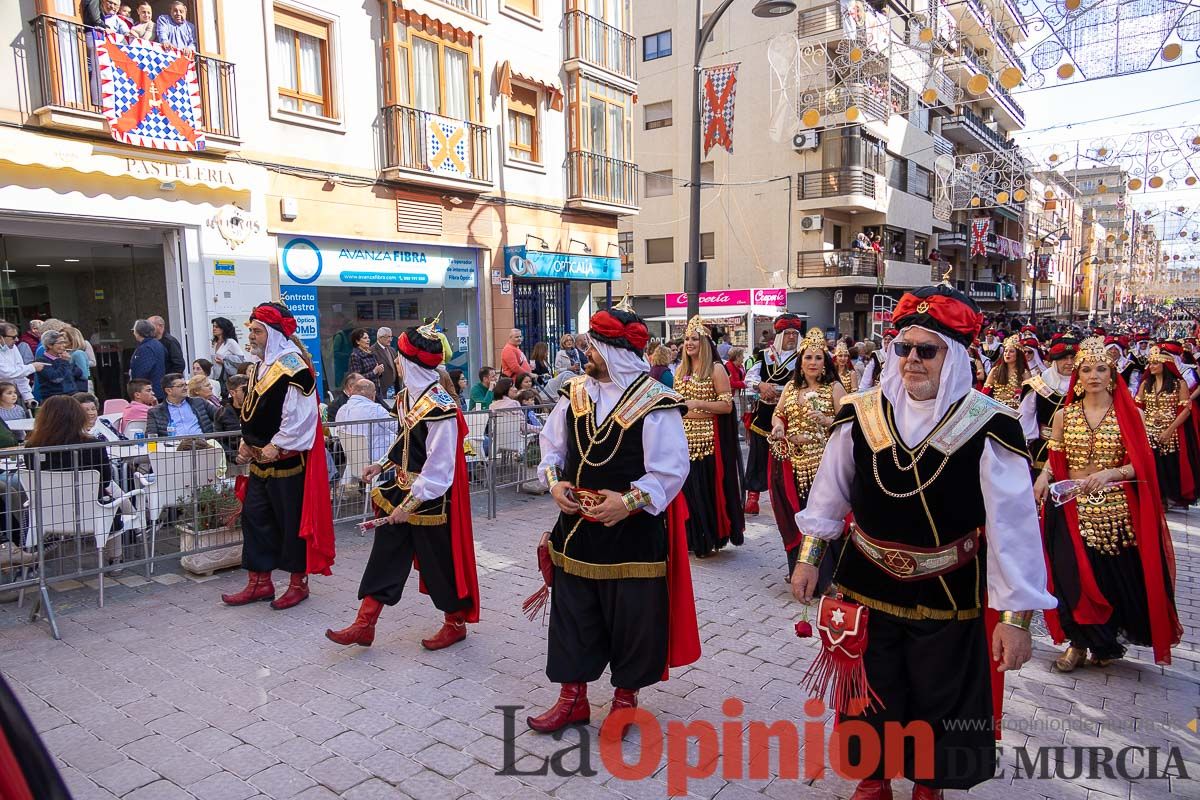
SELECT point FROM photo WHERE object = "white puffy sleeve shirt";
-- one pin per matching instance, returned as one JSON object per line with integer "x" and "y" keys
{"x": 1016, "y": 566}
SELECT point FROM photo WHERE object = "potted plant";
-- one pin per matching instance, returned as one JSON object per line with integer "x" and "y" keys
{"x": 217, "y": 531}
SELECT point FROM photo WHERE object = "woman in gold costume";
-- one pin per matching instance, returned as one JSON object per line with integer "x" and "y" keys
{"x": 1004, "y": 381}
{"x": 1166, "y": 404}
{"x": 845, "y": 368}
{"x": 799, "y": 430}
{"x": 1112, "y": 565}
{"x": 713, "y": 489}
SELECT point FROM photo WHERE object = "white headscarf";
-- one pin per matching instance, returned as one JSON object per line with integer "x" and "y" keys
{"x": 779, "y": 351}
{"x": 417, "y": 377}
{"x": 624, "y": 366}
{"x": 916, "y": 418}
{"x": 278, "y": 345}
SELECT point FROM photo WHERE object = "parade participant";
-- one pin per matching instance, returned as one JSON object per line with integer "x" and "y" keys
{"x": 1166, "y": 406}
{"x": 874, "y": 367}
{"x": 287, "y": 520}
{"x": 1003, "y": 383}
{"x": 924, "y": 463}
{"x": 1112, "y": 564}
{"x": 979, "y": 366}
{"x": 1032, "y": 349}
{"x": 1043, "y": 394}
{"x": 993, "y": 344}
{"x": 767, "y": 376}
{"x": 615, "y": 456}
{"x": 427, "y": 500}
{"x": 1126, "y": 367}
{"x": 713, "y": 489}
{"x": 1140, "y": 351}
{"x": 799, "y": 430}
{"x": 844, "y": 368}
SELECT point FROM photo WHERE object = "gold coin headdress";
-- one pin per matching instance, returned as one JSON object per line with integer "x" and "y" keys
{"x": 815, "y": 338}
{"x": 696, "y": 325}
{"x": 1092, "y": 351}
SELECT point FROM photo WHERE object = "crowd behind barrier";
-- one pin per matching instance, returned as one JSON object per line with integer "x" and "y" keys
{"x": 123, "y": 511}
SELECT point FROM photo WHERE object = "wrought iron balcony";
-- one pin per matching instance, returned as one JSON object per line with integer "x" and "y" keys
{"x": 838, "y": 264}
{"x": 417, "y": 143}
{"x": 601, "y": 183}
{"x": 68, "y": 82}
{"x": 593, "y": 41}
{"x": 836, "y": 182}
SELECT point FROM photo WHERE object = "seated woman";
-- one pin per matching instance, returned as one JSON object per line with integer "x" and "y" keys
{"x": 201, "y": 386}
{"x": 94, "y": 426}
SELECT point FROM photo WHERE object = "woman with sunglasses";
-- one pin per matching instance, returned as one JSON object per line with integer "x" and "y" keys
{"x": 1166, "y": 405}
{"x": 1112, "y": 565}
{"x": 1004, "y": 382}
{"x": 799, "y": 430}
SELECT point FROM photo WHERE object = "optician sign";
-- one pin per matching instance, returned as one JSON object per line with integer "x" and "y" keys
{"x": 342, "y": 262}
{"x": 521, "y": 262}
{"x": 766, "y": 302}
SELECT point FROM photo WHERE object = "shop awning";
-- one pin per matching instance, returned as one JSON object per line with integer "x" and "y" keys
{"x": 50, "y": 152}
{"x": 506, "y": 73}
{"x": 522, "y": 262}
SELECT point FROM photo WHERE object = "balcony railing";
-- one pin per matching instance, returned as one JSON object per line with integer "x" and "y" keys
{"x": 406, "y": 145}
{"x": 66, "y": 54}
{"x": 838, "y": 264}
{"x": 600, "y": 179}
{"x": 970, "y": 121}
{"x": 476, "y": 8}
{"x": 989, "y": 291}
{"x": 942, "y": 146}
{"x": 593, "y": 41}
{"x": 835, "y": 183}
{"x": 996, "y": 245}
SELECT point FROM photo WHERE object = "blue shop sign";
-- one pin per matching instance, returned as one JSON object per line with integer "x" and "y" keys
{"x": 521, "y": 262}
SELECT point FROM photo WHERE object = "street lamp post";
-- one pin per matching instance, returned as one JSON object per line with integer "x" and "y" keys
{"x": 693, "y": 272}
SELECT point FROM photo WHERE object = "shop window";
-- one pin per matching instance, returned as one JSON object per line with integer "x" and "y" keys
{"x": 625, "y": 250}
{"x": 656, "y": 45}
{"x": 659, "y": 184}
{"x": 658, "y": 115}
{"x": 660, "y": 251}
{"x": 302, "y": 54}
{"x": 708, "y": 245}
{"x": 523, "y": 130}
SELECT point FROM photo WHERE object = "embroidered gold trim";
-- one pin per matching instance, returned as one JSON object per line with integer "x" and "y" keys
{"x": 966, "y": 421}
{"x": 276, "y": 472}
{"x": 428, "y": 520}
{"x": 641, "y": 401}
{"x": 904, "y": 612}
{"x": 1039, "y": 385}
{"x": 581, "y": 403}
{"x": 631, "y": 569}
{"x": 868, "y": 407}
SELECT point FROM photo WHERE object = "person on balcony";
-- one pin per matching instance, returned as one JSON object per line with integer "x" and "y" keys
{"x": 174, "y": 30}
{"x": 144, "y": 27}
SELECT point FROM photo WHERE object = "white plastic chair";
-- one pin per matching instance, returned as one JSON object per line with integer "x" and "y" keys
{"x": 134, "y": 427}
{"x": 176, "y": 475}
{"x": 114, "y": 406}
{"x": 65, "y": 502}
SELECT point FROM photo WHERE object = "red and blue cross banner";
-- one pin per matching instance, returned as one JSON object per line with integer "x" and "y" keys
{"x": 718, "y": 90}
{"x": 980, "y": 228}
{"x": 148, "y": 93}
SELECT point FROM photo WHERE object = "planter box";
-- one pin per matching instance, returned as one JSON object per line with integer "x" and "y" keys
{"x": 208, "y": 562}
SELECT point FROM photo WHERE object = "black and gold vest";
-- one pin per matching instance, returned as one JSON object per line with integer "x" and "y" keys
{"x": 608, "y": 454}
{"x": 926, "y": 496}
{"x": 262, "y": 411}
{"x": 1046, "y": 403}
{"x": 779, "y": 374}
{"x": 407, "y": 454}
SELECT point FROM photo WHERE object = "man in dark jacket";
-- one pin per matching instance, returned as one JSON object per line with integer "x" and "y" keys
{"x": 191, "y": 416}
{"x": 229, "y": 416}
{"x": 149, "y": 360}
{"x": 175, "y": 360}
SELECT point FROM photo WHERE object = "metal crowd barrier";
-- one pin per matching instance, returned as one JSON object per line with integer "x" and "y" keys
{"x": 107, "y": 513}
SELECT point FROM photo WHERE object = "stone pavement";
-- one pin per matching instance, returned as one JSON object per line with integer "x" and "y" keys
{"x": 165, "y": 693}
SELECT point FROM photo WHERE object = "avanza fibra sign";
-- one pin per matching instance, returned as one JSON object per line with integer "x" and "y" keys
{"x": 333, "y": 262}
{"x": 520, "y": 262}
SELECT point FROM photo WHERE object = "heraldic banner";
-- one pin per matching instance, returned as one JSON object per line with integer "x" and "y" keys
{"x": 446, "y": 146}
{"x": 718, "y": 89}
{"x": 148, "y": 93}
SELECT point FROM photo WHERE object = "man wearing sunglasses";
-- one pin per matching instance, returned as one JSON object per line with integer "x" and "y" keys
{"x": 925, "y": 463}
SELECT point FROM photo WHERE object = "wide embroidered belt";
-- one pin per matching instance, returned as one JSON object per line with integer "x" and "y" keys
{"x": 907, "y": 563}
{"x": 405, "y": 480}
{"x": 283, "y": 454}
{"x": 589, "y": 500}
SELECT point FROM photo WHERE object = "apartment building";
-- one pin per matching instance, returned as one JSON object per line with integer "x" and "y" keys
{"x": 1054, "y": 226}
{"x": 1104, "y": 192}
{"x": 369, "y": 163}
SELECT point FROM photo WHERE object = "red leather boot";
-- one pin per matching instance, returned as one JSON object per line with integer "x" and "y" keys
{"x": 926, "y": 793}
{"x": 296, "y": 593}
{"x": 362, "y": 630}
{"x": 751, "y": 502}
{"x": 873, "y": 790}
{"x": 571, "y": 709}
{"x": 454, "y": 629}
{"x": 258, "y": 587}
{"x": 622, "y": 698}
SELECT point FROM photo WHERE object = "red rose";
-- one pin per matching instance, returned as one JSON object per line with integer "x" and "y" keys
{"x": 803, "y": 629}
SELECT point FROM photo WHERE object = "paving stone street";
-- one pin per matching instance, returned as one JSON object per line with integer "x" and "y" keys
{"x": 164, "y": 693}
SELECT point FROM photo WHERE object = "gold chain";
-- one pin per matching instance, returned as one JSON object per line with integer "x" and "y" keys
{"x": 920, "y": 487}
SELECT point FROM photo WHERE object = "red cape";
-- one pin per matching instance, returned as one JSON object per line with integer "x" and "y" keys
{"x": 683, "y": 633}
{"x": 462, "y": 537}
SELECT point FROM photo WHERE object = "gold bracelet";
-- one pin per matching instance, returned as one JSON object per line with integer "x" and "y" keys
{"x": 1018, "y": 619}
{"x": 634, "y": 499}
{"x": 812, "y": 550}
{"x": 1054, "y": 444}
{"x": 551, "y": 475}
{"x": 726, "y": 397}
{"x": 410, "y": 504}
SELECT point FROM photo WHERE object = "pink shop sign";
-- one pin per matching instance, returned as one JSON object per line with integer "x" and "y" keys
{"x": 733, "y": 301}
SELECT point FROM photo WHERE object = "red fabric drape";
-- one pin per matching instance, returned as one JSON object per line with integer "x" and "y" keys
{"x": 724, "y": 526}
{"x": 683, "y": 633}
{"x": 316, "y": 516}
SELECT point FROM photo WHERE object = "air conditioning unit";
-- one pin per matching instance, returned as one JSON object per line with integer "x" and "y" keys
{"x": 811, "y": 223}
{"x": 805, "y": 141}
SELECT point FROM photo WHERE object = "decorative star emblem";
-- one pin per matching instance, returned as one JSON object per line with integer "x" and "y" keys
{"x": 839, "y": 616}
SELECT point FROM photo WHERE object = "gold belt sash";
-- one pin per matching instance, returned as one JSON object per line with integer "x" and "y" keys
{"x": 907, "y": 563}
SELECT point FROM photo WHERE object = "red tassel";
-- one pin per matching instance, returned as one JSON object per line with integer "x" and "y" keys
{"x": 843, "y": 681}
{"x": 536, "y": 604}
